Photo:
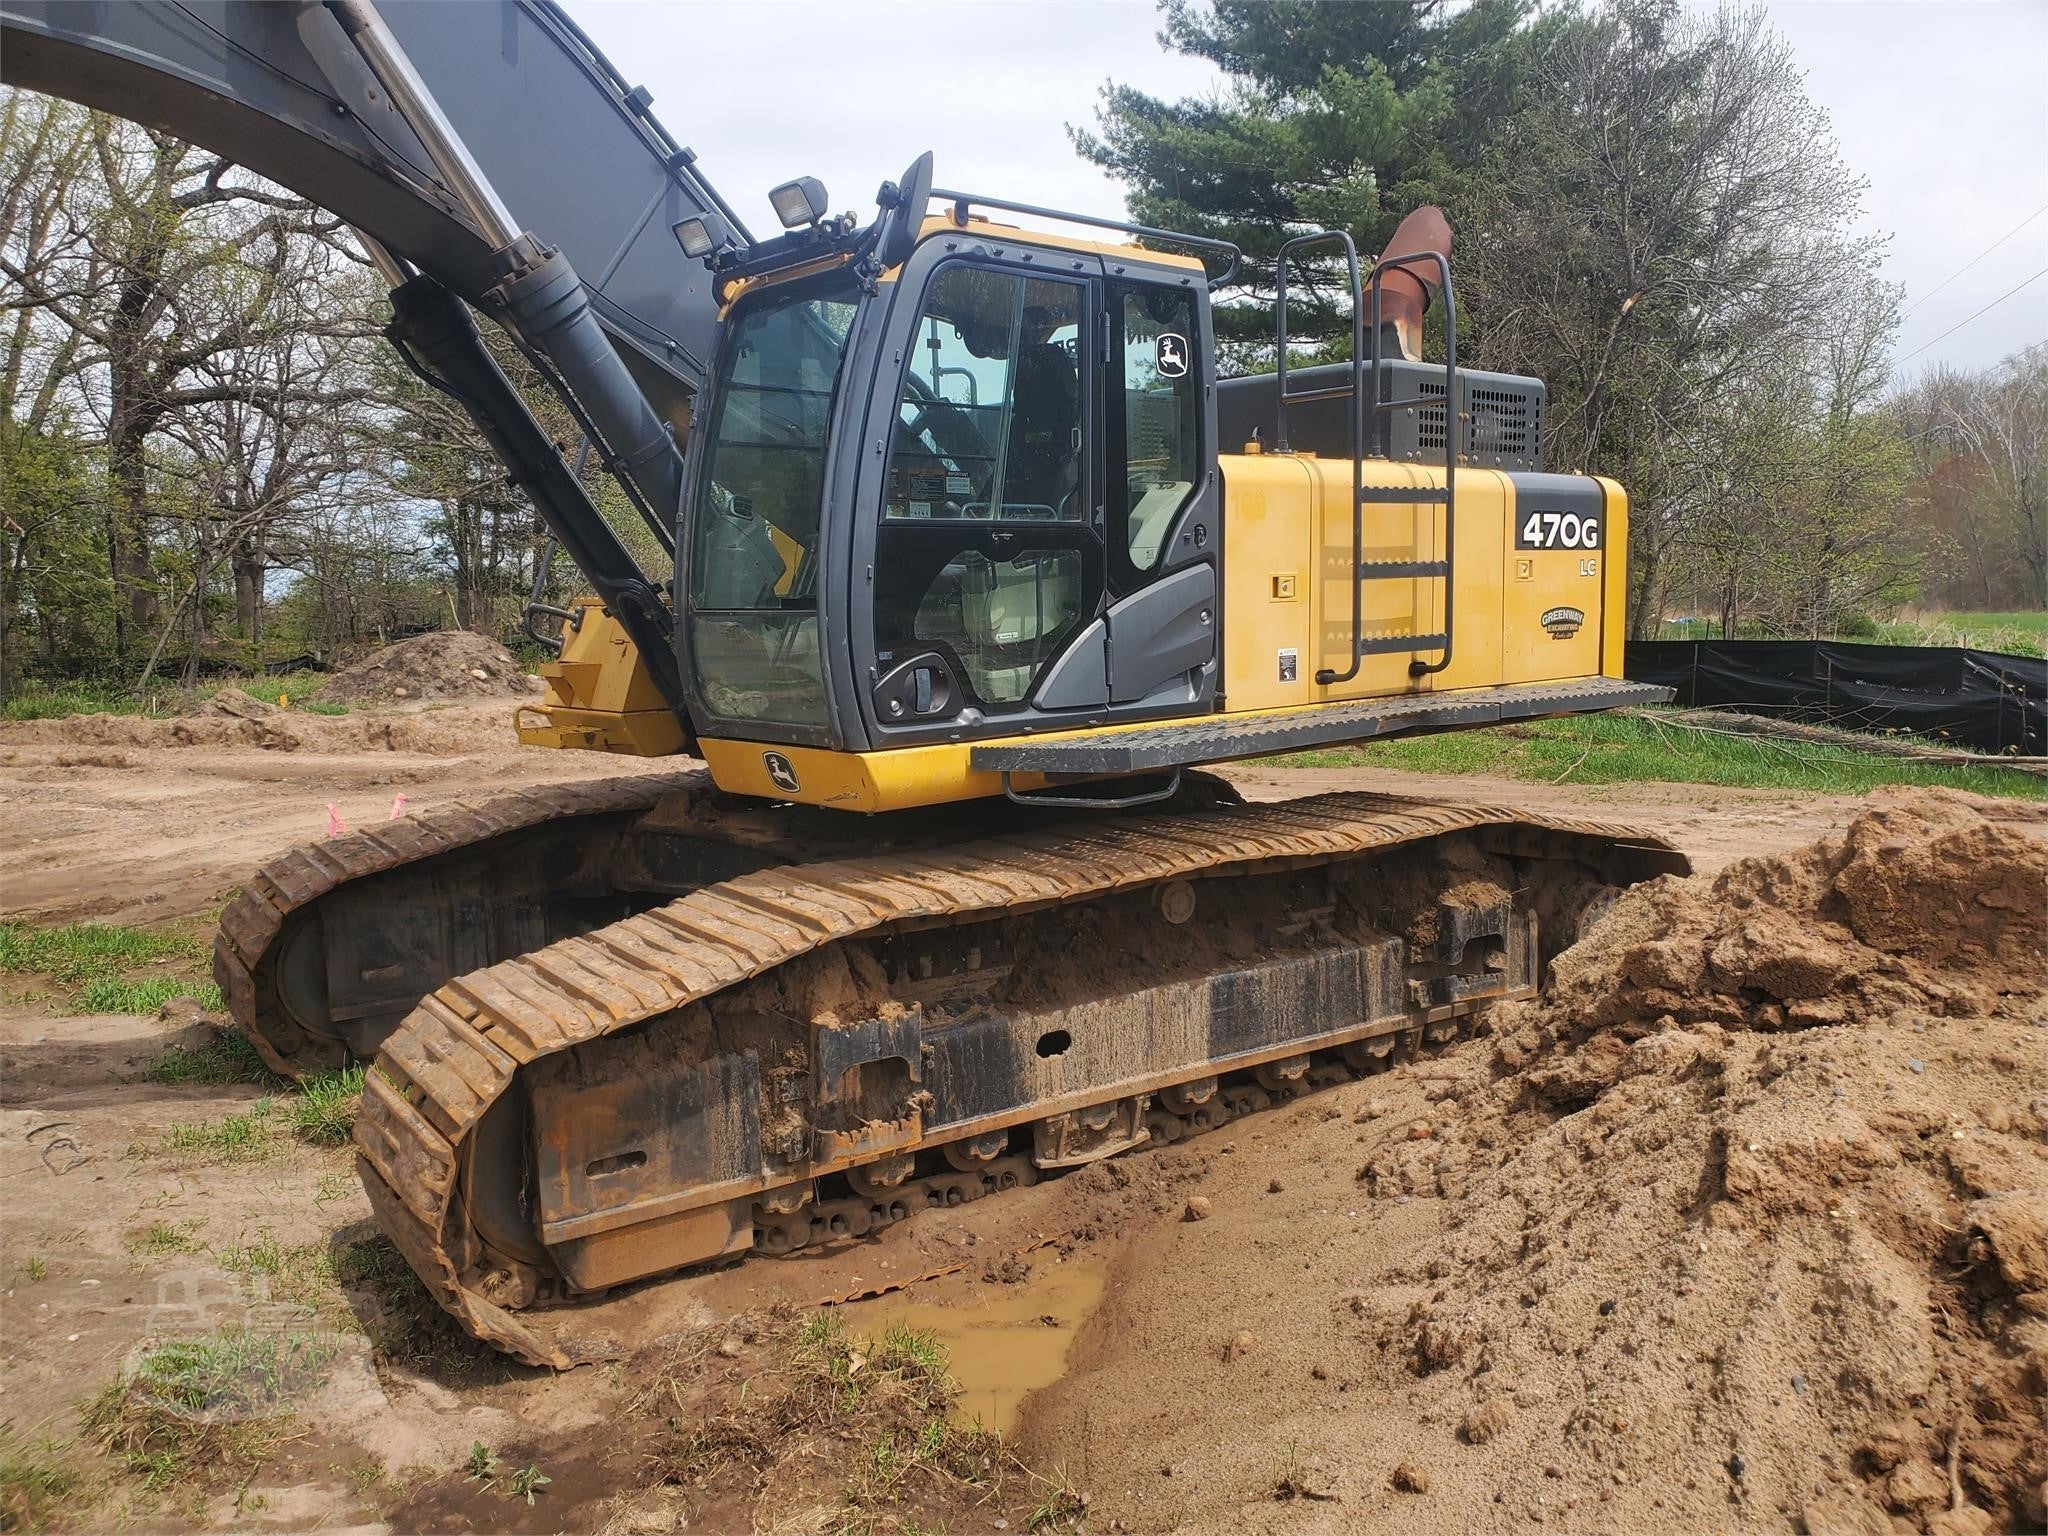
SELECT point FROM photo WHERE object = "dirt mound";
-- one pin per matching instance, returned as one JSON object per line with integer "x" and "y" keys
{"x": 1920, "y": 903}
{"x": 237, "y": 704}
{"x": 436, "y": 732}
{"x": 447, "y": 664}
{"x": 1744, "y": 1225}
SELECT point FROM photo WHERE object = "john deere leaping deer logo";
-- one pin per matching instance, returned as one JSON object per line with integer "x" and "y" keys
{"x": 781, "y": 772}
{"x": 1170, "y": 354}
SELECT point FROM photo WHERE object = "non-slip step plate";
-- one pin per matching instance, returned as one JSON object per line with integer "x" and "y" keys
{"x": 1218, "y": 738}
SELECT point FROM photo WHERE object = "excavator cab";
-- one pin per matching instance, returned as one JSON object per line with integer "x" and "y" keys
{"x": 966, "y": 497}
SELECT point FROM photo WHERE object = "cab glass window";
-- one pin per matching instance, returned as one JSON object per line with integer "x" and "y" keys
{"x": 989, "y": 422}
{"x": 1154, "y": 474}
{"x": 754, "y": 544}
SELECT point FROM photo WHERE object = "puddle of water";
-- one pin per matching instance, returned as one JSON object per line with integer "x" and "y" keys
{"x": 1002, "y": 1341}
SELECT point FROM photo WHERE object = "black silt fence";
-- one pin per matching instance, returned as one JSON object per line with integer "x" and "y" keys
{"x": 1980, "y": 699}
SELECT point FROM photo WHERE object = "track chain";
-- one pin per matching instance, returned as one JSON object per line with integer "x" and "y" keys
{"x": 459, "y": 1050}
{"x": 245, "y": 950}
{"x": 827, "y": 1221}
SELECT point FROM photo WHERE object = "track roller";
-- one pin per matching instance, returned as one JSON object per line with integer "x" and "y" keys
{"x": 1368, "y": 1056}
{"x": 1185, "y": 1098}
{"x": 976, "y": 1152}
{"x": 1282, "y": 1076}
{"x": 878, "y": 1180}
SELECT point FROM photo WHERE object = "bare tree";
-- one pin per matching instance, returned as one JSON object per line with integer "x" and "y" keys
{"x": 1668, "y": 216}
{"x": 2005, "y": 428}
{"x": 178, "y": 259}
{"x": 1976, "y": 444}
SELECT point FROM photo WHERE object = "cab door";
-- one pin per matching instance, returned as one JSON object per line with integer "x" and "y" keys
{"x": 987, "y": 554}
{"x": 1027, "y": 493}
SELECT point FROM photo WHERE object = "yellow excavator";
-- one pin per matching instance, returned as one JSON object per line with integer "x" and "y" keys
{"x": 976, "y": 563}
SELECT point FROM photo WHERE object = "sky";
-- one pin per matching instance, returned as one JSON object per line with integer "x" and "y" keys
{"x": 1941, "y": 104}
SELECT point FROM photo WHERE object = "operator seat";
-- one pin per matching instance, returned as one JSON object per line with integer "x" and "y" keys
{"x": 1044, "y": 462}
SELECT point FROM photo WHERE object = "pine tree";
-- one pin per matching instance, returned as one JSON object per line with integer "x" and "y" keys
{"x": 1335, "y": 116}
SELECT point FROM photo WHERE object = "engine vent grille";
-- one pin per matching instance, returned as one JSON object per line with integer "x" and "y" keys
{"x": 1505, "y": 424}
{"x": 1503, "y": 428}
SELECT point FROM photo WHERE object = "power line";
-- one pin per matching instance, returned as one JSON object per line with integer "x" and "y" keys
{"x": 1959, "y": 271}
{"x": 1944, "y": 336}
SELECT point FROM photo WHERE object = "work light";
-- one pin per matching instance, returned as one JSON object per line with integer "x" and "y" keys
{"x": 694, "y": 236}
{"x": 799, "y": 202}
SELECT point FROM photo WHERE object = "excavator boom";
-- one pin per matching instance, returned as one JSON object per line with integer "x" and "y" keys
{"x": 280, "y": 88}
{"x": 458, "y": 139}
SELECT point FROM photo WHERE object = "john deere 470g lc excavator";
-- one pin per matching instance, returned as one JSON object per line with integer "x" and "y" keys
{"x": 975, "y": 559}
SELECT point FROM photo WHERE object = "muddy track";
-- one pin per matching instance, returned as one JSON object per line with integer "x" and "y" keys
{"x": 460, "y": 1050}
{"x": 247, "y": 956}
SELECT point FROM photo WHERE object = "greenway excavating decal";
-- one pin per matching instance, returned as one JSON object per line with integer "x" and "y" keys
{"x": 1562, "y": 623}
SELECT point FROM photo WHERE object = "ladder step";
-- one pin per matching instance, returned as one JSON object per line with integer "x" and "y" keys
{"x": 1384, "y": 645}
{"x": 1403, "y": 495}
{"x": 1395, "y": 570}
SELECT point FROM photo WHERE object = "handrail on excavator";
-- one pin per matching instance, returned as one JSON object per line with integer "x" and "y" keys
{"x": 1442, "y": 263}
{"x": 962, "y": 201}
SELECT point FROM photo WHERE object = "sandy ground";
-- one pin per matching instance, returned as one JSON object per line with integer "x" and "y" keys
{"x": 1139, "y": 1309}
{"x": 140, "y": 827}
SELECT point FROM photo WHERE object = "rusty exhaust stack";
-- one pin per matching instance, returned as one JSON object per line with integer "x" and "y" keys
{"x": 1406, "y": 292}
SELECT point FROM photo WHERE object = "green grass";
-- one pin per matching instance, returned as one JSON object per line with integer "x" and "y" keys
{"x": 297, "y": 688}
{"x": 58, "y": 701}
{"x": 41, "y": 701}
{"x": 111, "y": 994}
{"x": 84, "y": 951}
{"x": 920, "y": 1359}
{"x": 226, "y": 1058}
{"x": 487, "y": 1470}
{"x": 93, "y": 965}
{"x": 298, "y": 1272}
{"x": 374, "y": 1264}
{"x": 161, "y": 1238}
{"x": 2016, "y": 634}
{"x": 245, "y": 1138}
{"x": 36, "y": 1484}
{"x": 293, "y": 685}
{"x": 906, "y": 1466}
{"x": 320, "y": 1110}
{"x": 400, "y": 1316}
{"x": 1620, "y": 749}
{"x": 323, "y": 1110}
{"x": 205, "y": 1412}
